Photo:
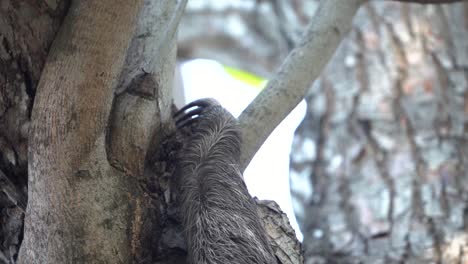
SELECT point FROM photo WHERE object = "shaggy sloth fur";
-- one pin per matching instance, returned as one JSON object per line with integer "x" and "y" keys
{"x": 219, "y": 215}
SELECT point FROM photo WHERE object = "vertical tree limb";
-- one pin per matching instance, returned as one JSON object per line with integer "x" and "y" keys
{"x": 144, "y": 93}
{"x": 78, "y": 209}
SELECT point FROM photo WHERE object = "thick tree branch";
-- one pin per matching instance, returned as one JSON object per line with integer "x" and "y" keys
{"x": 143, "y": 97}
{"x": 141, "y": 115}
{"x": 78, "y": 207}
{"x": 152, "y": 40}
{"x": 331, "y": 23}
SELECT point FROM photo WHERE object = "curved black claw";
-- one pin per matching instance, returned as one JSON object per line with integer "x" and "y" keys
{"x": 184, "y": 117}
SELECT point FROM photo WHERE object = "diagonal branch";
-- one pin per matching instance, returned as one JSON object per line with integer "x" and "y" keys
{"x": 302, "y": 66}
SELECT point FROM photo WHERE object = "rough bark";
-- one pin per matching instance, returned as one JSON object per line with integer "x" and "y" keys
{"x": 27, "y": 29}
{"x": 80, "y": 208}
{"x": 379, "y": 163}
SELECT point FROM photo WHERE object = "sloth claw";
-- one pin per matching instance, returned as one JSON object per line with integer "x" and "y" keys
{"x": 184, "y": 117}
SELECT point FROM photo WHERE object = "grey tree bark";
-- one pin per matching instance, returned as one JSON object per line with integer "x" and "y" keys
{"x": 383, "y": 146}
{"x": 87, "y": 202}
{"x": 84, "y": 205}
{"x": 27, "y": 30}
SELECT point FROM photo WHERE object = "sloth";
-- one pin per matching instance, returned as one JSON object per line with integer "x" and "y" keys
{"x": 220, "y": 219}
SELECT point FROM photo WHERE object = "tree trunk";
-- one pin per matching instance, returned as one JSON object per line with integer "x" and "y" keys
{"x": 87, "y": 202}
{"x": 27, "y": 29}
{"x": 383, "y": 145}
{"x": 79, "y": 206}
